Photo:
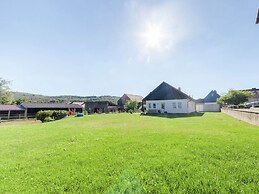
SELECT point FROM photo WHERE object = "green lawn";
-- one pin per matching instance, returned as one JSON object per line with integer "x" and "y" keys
{"x": 128, "y": 153}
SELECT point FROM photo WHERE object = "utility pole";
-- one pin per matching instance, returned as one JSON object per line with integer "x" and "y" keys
{"x": 257, "y": 17}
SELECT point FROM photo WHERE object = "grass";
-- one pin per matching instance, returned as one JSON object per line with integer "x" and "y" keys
{"x": 128, "y": 153}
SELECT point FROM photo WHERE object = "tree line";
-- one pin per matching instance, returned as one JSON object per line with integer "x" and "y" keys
{"x": 233, "y": 97}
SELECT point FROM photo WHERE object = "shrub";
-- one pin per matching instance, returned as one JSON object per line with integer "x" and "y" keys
{"x": 59, "y": 114}
{"x": 42, "y": 115}
{"x": 50, "y": 115}
{"x": 48, "y": 119}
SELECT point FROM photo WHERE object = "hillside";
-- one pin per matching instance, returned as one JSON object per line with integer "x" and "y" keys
{"x": 62, "y": 98}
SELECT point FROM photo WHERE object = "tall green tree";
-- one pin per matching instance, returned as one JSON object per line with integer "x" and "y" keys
{"x": 234, "y": 97}
{"x": 6, "y": 96}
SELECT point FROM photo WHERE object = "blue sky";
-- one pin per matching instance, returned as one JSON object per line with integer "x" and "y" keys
{"x": 113, "y": 47}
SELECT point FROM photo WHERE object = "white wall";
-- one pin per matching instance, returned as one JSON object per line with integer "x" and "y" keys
{"x": 191, "y": 106}
{"x": 187, "y": 106}
{"x": 207, "y": 107}
{"x": 200, "y": 107}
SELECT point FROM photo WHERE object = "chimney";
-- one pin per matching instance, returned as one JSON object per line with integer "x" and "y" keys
{"x": 179, "y": 88}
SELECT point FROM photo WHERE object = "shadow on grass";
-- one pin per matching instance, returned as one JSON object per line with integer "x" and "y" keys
{"x": 128, "y": 183}
{"x": 175, "y": 115}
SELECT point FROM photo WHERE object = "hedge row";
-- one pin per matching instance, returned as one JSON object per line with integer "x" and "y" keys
{"x": 50, "y": 115}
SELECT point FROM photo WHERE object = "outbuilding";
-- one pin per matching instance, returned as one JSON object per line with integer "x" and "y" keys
{"x": 128, "y": 97}
{"x": 209, "y": 103}
{"x": 12, "y": 112}
{"x": 33, "y": 108}
{"x": 100, "y": 107}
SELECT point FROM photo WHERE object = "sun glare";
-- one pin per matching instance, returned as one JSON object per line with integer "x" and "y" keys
{"x": 153, "y": 36}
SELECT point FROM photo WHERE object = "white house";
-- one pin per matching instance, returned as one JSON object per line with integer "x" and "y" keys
{"x": 209, "y": 103}
{"x": 167, "y": 99}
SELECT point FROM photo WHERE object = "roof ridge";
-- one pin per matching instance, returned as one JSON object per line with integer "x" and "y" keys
{"x": 166, "y": 92}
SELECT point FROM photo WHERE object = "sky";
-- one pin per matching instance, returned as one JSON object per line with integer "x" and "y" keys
{"x": 85, "y": 47}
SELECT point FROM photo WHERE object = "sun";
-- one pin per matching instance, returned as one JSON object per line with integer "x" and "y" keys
{"x": 153, "y": 36}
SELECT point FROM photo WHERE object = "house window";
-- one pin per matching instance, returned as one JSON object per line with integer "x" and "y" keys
{"x": 179, "y": 105}
{"x": 174, "y": 105}
{"x": 162, "y": 105}
{"x": 149, "y": 105}
{"x": 154, "y": 105}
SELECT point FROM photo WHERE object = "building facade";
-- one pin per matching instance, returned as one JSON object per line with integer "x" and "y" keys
{"x": 100, "y": 107}
{"x": 170, "y": 106}
{"x": 209, "y": 103}
{"x": 167, "y": 99}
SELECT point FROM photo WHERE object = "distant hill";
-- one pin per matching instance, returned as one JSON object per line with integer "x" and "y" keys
{"x": 62, "y": 98}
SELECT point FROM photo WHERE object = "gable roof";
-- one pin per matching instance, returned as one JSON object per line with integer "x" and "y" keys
{"x": 166, "y": 92}
{"x": 10, "y": 107}
{"x": 212, "y": 96}
{"x": 50, "y": 105}
{"x": 136, "y": 98}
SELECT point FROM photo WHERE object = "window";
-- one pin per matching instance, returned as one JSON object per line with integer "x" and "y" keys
{"x": 162, "y": 105}
{"x": 149, "y": 105}
{"x": 174, "y": 105}
{"x": 179, "y": 105}
{"x": 154, "y": 105}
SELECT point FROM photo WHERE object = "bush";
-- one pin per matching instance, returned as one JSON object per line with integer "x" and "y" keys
{"x": 48, "y": 119}
{"x": 42, "y": 115}
{"x": 131, "y": 106}
{"x": 50, "y": 115}
{"x": 59, "y": 114}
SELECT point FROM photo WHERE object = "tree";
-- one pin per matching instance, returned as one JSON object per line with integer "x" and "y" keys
{"x": 20, "y": 101}
{"x": 131, "y": 106}
{"x": 6, "y": 96}
{"x": 234, "y": 97}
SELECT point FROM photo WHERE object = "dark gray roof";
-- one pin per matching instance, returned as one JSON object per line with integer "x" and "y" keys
{"x": 10, "y": 107}
{"x": 252, "y": 90}
{"x": 166, "y": 92}
{"x": 50, "y": 105}
{"x": 212, "y": 96}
